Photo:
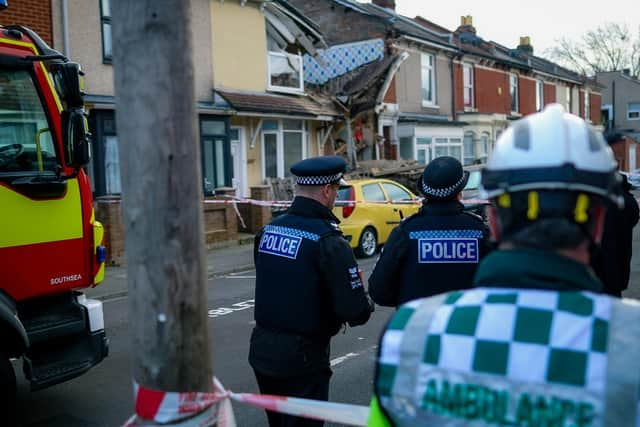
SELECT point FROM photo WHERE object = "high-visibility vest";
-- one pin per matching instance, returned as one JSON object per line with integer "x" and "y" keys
{"x": 496, "y": 356}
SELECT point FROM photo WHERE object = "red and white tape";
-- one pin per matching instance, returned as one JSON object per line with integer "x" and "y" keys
{"x": 232, "y": 200}
{"x": 155, "y": 408}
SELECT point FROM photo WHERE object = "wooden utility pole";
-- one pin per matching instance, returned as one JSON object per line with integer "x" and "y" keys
{"x": 162, "y": 193}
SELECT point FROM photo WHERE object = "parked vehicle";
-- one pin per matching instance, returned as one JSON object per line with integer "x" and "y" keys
{"x": 633, "y": 177}
{"x": 471, "y": 197}
{"x": 369, "y": 209}
{"x": 50, "y": 243}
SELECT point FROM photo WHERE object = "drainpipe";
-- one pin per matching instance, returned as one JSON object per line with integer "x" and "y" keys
{"x": 65, "y": 28}
{"x": 453, "y": 89}
{"x": 613, "y": 105}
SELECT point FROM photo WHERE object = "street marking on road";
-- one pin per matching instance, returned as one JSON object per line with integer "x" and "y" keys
{"x": 341, "y": 359}
{"x": 223, "y": 311}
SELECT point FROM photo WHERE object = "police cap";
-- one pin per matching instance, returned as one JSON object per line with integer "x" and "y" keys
{"x": 320, "y": 170}
{"x": 443, "y": 178}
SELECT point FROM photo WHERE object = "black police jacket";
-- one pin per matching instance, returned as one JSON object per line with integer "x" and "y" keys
{"x": 434, "y": 251}
{"x": 307, "y": 286}
{"x": 612, "y": 260}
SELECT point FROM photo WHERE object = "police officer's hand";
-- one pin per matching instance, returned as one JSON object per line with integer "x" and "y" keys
{"x": 372, "y": 305}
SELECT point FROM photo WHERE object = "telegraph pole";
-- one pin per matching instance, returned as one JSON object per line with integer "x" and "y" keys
{"x": 162, "y": 193}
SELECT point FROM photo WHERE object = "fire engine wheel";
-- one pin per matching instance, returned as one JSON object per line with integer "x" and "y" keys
{"x": 8, "y": 388}
{"x": 368, "y": 243}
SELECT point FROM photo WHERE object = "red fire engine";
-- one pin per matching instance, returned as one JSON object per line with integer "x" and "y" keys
{"x": 50, "y": 243}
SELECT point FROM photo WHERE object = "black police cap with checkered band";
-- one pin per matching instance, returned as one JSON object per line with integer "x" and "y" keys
{"x": 442, "y": 178}
{"x": 319, "y": 170}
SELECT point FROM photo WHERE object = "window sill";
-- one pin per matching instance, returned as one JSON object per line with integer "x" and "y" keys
{"x": 288, "y": 90}
{"x": 426, "y": 104}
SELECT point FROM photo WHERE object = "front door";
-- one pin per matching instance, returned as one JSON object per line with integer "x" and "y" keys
{"x": 239, "y": 179}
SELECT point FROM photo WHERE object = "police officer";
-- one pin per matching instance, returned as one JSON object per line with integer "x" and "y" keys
{"x": 612, "y": 262}
{"x": 534, "y": 342}
{"x": 308, "y": 286}
{"x": 437, "y": 249}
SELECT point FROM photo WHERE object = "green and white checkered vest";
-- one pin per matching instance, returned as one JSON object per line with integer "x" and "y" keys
{"x": 495, "y": 357}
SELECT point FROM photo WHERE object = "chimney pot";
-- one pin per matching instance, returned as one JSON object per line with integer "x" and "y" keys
{"x": 525, "y": 45}
{"x": 466, "y": 25}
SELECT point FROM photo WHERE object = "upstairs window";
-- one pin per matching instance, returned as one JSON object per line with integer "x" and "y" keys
{"x": 467, "y": 82}
{"x": 539, "y": 95}
{"x": 427, "y": 62}
{"x": 513, "y": 92}
{"x": 587, "y": 105}
{"x": 633, "y": 111}
{"x": 105, "y": 21}
{"x": 284, "y": 68}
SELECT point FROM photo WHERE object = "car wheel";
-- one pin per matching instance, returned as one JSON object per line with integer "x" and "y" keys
{"x": 368, "y": 243}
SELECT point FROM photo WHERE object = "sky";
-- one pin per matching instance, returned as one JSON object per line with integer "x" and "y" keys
{"x": 544, "y": 21}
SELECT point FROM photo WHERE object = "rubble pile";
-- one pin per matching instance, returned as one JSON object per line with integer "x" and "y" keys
{"x": 406, "y": 172}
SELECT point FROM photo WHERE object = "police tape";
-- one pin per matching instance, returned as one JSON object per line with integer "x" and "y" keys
{"x": 194, "y": 409}
{"x": 339, "y": 203}
{"x": 234, "y": 200}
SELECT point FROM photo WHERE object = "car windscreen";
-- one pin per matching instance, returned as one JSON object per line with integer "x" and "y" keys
{"x": 474, "y": 180}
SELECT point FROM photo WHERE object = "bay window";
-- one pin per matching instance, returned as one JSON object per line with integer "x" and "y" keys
{"x": 283, "y": 144}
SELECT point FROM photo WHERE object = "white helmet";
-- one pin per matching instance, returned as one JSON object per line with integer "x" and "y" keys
{"x": 552, "y": 150}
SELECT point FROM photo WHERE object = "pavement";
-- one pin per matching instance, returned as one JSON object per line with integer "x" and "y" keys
{"x": 222, "y": 258}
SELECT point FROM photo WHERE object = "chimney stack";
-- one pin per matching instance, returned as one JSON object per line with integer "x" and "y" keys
{"x": 525, "y": 45}
{"x": 466, "y": 25}
{"x": 387, "y": 4}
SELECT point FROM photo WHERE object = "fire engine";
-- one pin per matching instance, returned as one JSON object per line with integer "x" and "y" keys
{"x": 50, "y": 243}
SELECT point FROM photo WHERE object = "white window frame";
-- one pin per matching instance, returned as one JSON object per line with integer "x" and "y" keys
{"x": 467, "y": 86}
{"x": 587, "y": 105}
{"x": 568, "y": 99}
{"x": 466, "y": 156}
{"x": 430, "y": 148}
{"x": 280, "y": 170}
{"x": 539, "y": 95}
{"x": 484, "y": 147}
{"x": 513, "y": 84}
{"x": 633, "y": 107}
{"x": 300, "y": 88}
{"x": 430, "y": 70}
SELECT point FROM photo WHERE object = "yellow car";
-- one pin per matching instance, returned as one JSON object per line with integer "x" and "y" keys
{"x": 369, "y": 209}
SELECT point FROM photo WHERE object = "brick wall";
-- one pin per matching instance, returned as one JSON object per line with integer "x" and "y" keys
{"x": 492, "y": 91}
{"x": 549, "y": 93}
{"x": 390, "y": 97}
{"x": 220, "y": 224}
{"x": 340, "y": 24}
{"x": 526, "y": 96}
{"x": 595, "y": 106}
{"x": 35, "y": 14}
{"x": 458, "y": 97}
